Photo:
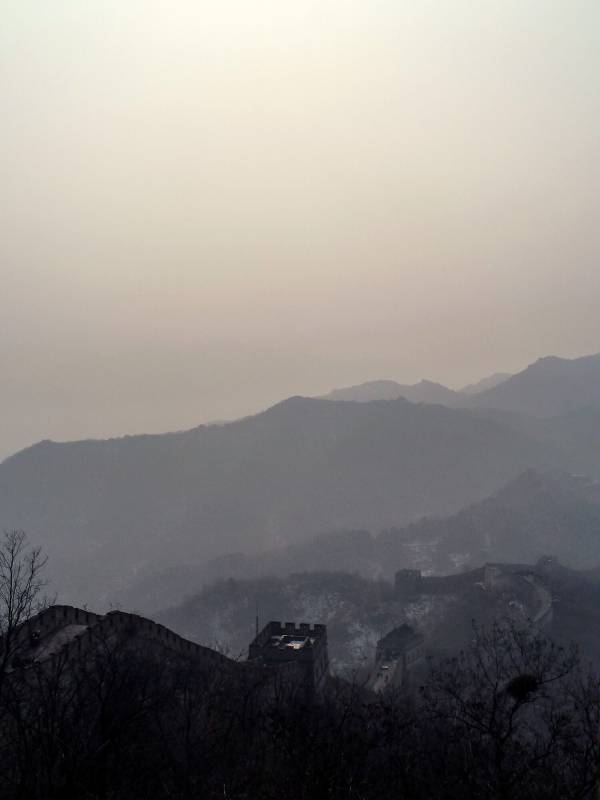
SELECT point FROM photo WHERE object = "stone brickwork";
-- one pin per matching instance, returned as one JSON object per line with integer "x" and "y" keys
{"x": 400, "y": 652}
{"x": 60, "y": 633}
{"x": 302, "y": 647}
{"x": 64, "y": 632}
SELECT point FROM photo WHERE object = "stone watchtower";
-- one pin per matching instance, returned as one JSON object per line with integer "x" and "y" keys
{"x": 398, "y": 654}
{"x": 298, "y": 650}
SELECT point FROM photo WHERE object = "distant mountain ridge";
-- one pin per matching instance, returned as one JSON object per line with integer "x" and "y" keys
{"x": 422, "y": 392}
{"x": 108, "y": 512}
{"x": 535, "y": 515}
{"x": 486, "y": 383}
{"x": 550, "y": 387}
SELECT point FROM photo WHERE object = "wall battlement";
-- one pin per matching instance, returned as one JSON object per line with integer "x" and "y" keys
{"x": 60, "y": 634}
{"x": 410, "y": 583}
{"x": 63, "y": 632}
{"x": 280, "y": 643}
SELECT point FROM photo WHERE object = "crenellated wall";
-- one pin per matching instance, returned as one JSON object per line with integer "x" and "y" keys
{"x": 148, "y": 630}
{"x": 276, "y": 628}
{"x": 410, "y": 582}
{"x": 62, "y": 632}
{"x": 313, "y": 658}
{"x": 53, "y": 619}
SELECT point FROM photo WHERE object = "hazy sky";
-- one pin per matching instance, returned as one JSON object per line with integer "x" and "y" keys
{"x": 208, "y": 206}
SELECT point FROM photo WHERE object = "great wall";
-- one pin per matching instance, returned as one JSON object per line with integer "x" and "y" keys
{"x": 402, "y": 651}
{"x": 62, "y": 634}
{"x": 65, "y": 630}
{"x": 295, "y": 652}
{"x": 410, "y": 582}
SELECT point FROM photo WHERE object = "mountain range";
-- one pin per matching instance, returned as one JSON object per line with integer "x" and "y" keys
{"x": 111, "y": 513}
{"x": 535, "y": 515}
{"x": 108, "y": 511}
{"x": 549, "y": 387}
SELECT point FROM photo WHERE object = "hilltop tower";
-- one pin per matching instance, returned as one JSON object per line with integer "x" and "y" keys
{"x": 299, "y": 649}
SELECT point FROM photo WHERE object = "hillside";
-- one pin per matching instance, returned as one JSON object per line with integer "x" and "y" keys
{"x": 486, "y": 383}
{"x": 533, "y": 516}
{"x": 549, "y": 387}
{"x": 108, "y": 512}
{"x": 358, "y": 611}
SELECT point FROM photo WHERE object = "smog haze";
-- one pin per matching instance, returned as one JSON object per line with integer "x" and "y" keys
{"x": 208, "y": 207}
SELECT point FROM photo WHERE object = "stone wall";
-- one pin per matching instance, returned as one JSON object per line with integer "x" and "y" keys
{"x": 410, "y": 582}
{"x": 62, "y": 633}
{"x": 313, "y": 658}
{"x": 98, "y": 628}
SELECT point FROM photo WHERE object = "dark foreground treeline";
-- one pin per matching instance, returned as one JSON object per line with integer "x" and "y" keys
{"x": 512, "y": 717}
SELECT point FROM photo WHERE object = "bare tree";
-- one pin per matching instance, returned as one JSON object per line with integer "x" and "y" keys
{"x": 512, "y": 717}
{"x": 21, "y": 591}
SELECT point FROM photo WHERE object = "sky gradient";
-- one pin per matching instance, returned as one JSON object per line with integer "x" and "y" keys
{"x": 209, "y": 206}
